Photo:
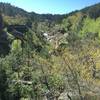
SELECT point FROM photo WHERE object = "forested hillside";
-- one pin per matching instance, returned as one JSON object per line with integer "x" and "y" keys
{"x": 12, "y": 11}
{"x": 49, "y": 57}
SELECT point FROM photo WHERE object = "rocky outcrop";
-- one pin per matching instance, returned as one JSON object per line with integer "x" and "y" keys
{"x": 4, "y": 43}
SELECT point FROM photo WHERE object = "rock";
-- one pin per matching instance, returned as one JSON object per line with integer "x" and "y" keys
{"x": 64, "y": 96}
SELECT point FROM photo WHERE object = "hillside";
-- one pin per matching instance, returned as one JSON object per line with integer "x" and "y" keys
{"x": 9, "y": 10}
{"x": 92, "y": 11}
{"x": 49, "y": 57}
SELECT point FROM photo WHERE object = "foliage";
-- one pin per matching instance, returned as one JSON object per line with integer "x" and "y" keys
{"x": 35, "y": 67}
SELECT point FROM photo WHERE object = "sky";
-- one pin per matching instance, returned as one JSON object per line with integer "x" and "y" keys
{"x": 51, "y": 6}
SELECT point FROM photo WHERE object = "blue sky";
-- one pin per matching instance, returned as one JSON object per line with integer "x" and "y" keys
{"x": 51, "y": 6}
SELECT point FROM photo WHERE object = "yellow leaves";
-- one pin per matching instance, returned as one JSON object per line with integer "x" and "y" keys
{"x": 15, "y": 20}
{"x": 57, "y": 66}
{"x": 96, "y": 82}
{"x": 16, "y": 45}
{"x": 98, "y": 65}
{"x": 94, "y": 52}
{"x": 85, "y": 72}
